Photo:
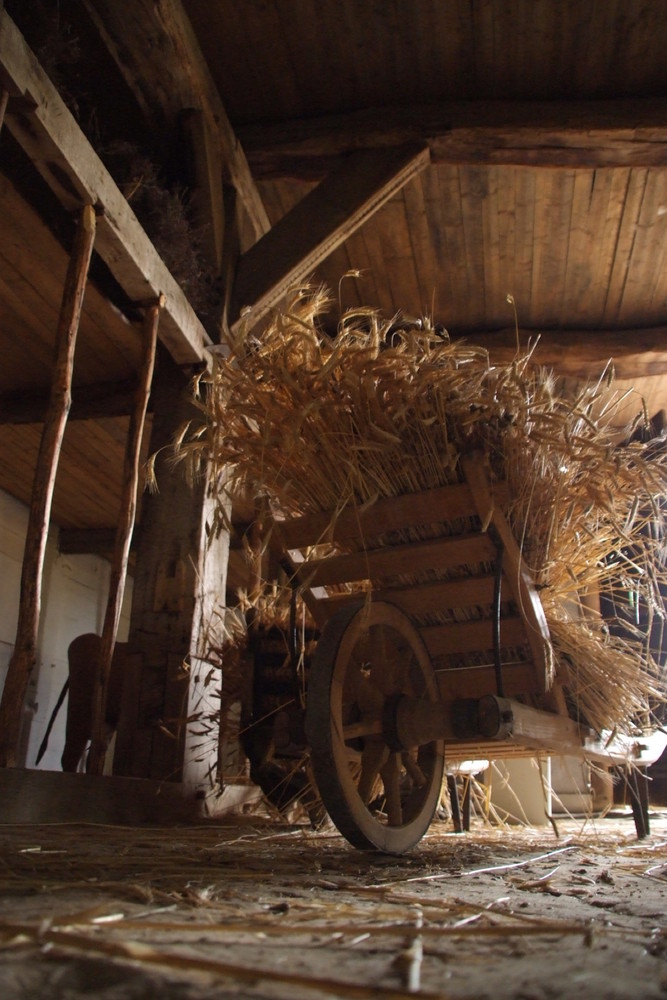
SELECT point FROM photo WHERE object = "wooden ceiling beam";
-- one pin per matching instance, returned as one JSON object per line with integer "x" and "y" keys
{"x": 570, "y": 134}
{"x": 41, "y": 123}
{"x": 318, "y": 224}
{"x": 635, "y": 354}
{"x": 156, "y": 50}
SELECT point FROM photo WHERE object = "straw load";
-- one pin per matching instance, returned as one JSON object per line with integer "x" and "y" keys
{"x": 316, "y": 423}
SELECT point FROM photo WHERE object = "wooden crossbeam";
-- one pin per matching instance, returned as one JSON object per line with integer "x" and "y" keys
{"x": 600, "y": 133}
{"x": 318, "y": 224}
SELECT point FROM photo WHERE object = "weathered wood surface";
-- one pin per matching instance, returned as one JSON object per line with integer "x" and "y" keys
{"x": 48, "y": 133}
{"x": 600, "y": 133}
{"x": 124, "y": 530}
{"x": 25, "y": 648}
{"x": 325, "y": 218}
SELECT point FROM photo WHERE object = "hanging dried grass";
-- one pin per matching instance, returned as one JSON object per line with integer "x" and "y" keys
{"x": 312, "y": 423}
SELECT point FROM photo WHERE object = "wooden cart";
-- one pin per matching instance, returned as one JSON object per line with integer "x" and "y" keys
{"x": 440, "y": 651}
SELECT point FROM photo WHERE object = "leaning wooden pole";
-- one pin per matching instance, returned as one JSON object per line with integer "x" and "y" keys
{"x": 25, "y": 647}
{"x": 124, "y": 531}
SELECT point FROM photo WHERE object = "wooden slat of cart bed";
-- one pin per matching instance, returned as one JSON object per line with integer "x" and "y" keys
{"x": 428, "y": 598}
{"x": 388, "y": 514}
{"x": 399, "y": 560}
{"x": 471, "y": 637}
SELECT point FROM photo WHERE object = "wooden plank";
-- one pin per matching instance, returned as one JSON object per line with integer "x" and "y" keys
{"x": 444, "y": 503}
{"x": 650, "y": 234}
{"x": 637, "y": 180}
{"x": 156, "y": 49}
{"x": 472, "y": 636}
{"x": 48, "y": 133}
{"x": 318, "y": 224}
{"x": 602, "y": 133}
{"x": 398, "y": 560}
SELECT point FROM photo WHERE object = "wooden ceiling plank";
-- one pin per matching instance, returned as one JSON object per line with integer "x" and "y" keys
{"x": 643, "y": 262}
{"x": 161, "y": 59}
{"x": 318, "y": 224}
{"x": 507, "y": 226}
{"x": 422, "y": 246}
{"x": 474, "y": 194}
{"x": 555, "y": 249}
{"x": 636, "y": 187}
{"x": 398, "y": 254}
{"x": 452, "y": 259}
{"x": 496, "y": 292}
{"x": 602, "y": 133}
{"x": 50, "y": 136}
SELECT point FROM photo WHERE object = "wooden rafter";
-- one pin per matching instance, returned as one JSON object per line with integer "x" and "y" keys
{"x": 41, "y": 123}
{"x": 318, "y": 224}
{"x": 156, "y": 49}
{"x": 550, "y": 134}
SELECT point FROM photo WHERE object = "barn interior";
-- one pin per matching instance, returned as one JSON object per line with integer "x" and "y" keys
{"x": 496, "y": 172}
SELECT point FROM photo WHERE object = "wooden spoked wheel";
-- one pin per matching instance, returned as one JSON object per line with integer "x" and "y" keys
{"x": 379, "y": 797}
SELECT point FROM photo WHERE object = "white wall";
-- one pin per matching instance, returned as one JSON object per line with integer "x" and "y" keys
{"x": 73, "y": 601}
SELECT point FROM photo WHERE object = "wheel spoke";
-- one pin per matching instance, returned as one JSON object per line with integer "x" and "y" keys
{"x": 413, "y": 769}
{"x": 391, "y": 779}
{"x": 373, "y": 759}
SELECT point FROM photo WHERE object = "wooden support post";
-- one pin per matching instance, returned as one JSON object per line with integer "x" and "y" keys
{"x": 123, "y": 539}
{"x": 24, "y": 656}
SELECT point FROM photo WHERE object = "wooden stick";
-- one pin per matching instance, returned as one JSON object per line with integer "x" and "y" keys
{"x": 123, "y": 539}
{"x": 24, "y": 656}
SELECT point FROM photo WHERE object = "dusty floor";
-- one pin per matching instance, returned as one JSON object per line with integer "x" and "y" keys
{"x": 254, "y": 909}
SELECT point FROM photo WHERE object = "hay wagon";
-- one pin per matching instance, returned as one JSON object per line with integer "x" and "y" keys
{"x": 432, "y": 645}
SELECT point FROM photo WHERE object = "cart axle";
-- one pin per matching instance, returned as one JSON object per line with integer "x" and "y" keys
{"x": 410, "y": 722}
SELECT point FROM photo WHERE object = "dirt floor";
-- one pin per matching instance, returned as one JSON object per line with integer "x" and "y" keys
{"x": 252, "y": 908}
